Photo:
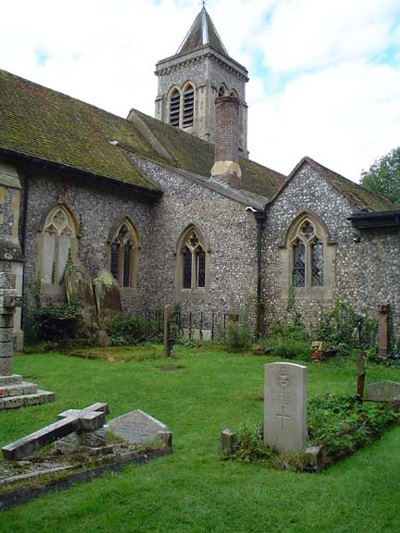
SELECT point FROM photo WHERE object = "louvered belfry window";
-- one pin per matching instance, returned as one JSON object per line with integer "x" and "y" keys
{"x": 188, "y": 106}
{"x": 175, "y": 108}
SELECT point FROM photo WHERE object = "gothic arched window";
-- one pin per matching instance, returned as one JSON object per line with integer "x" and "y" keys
{"x": 192, "y": 260}
{"x": 124, "y": 246}
{"x": 58, "y": 244}
{"x": 307, "y": 257}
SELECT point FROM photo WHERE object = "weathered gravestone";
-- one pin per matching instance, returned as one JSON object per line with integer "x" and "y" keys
{"x": 137, "y": 427}
{"x": 79, "y": 289}
{"x": 83, "y": 422}
{"x": 285, "y": 388}
{"x": 107, "y": 296}
{"x": 383, "y": 391}
{"x": 14, "y": 392}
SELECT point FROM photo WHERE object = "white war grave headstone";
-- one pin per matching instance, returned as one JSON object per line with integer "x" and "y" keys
{"x": 285, "y": 391}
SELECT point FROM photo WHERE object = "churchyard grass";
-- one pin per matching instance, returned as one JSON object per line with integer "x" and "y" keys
{"x": 192, "y": 490}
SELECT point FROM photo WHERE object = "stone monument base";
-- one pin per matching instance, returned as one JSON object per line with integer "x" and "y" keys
{"x": 14, "y": 393}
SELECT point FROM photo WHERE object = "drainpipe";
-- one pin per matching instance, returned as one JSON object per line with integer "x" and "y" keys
{"x": 260, "y": 218}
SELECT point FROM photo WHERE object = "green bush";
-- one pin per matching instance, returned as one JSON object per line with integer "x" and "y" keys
{"x": 289, "y": 342}
{"x": 344, "y": 329}
{"x": 238, "y": 335}
{"x": 55, "y": 323}
{"x": 126, "y": 330}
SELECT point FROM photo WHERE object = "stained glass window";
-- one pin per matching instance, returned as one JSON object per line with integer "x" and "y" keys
{"x": 308, "y": 257}
{"x": 193, "y": 261}
{"x": 122, "y": 254}
{"x": 299, "y": 261}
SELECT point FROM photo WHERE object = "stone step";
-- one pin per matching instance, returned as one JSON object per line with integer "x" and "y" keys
{"x": 14, "y": 379}
{"x": 19, "y": 389}
{"x": 13, "y": 402}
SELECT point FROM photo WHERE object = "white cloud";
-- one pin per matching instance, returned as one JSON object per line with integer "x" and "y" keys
{"x": 324, "y": 76}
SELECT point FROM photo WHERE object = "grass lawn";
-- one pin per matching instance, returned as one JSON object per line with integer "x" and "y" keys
{"x": 191, "y": 490}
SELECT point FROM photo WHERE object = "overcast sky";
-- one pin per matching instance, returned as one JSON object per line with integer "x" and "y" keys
{"x": 324, "y": 75}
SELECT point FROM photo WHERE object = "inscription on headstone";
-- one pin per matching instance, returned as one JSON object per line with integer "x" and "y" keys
{"x": 139, "y": 427}
{"x": 285, "y": 406}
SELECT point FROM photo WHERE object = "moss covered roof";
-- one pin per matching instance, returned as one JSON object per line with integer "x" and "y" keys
{"x": 52, "y": 127}
{"x": 361, "y": 198}
{"x": 197, "y": 156}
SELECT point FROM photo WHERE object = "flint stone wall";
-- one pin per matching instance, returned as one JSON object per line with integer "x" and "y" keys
{"x": 365, "y": 272}
{"x": 229, "y": 232}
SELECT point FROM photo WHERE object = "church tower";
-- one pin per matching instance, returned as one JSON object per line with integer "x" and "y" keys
{"x": 190, "y": 81}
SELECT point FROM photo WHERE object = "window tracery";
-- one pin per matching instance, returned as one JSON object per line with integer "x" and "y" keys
{"x": 192, "y": 261}
{"x": 58, "y": 244}
{"x": 123, "y": 254}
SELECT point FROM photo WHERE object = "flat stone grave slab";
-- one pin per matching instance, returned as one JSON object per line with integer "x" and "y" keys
{"x": 383, "y": 391}
{"x": 139, "y": 427}
{"x": 285, "y": 406}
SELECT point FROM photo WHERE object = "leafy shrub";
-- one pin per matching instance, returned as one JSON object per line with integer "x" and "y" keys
{"x": 126, "y": 330}
{"x": 56, "y": 323}
{"x": 249, "y": 446}
{"x": 238, "y": 335}
{"x": 343, "y": 328}
{"x": 289, "y": 342}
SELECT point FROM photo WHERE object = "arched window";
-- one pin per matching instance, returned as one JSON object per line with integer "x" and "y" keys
{"x": 174, "y": 108}
{"x": 188, "y": 106}
{"x": 222, "y": 90}
{"x": 192, "y": 260}
{"x": 124, "y": 247}
{"x": 181, "y": 106}
{"x": 57, "y": 244}
{"x": 307, "y": 257}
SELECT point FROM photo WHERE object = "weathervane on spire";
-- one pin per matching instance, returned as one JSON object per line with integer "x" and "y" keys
{"x": 204, "y": 2}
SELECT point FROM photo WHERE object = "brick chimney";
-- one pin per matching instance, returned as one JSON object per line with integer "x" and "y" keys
{"x": 226, "y": 167}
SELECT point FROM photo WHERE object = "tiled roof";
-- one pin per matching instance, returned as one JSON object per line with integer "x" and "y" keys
{"x": 202, "y": 33}
{"x": 361, "y": 198}
{"x": 52, "y": 127}
{"x": 197, "y": 156}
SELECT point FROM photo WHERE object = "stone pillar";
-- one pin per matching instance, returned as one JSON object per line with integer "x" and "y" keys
{"x": 8, "y": 295}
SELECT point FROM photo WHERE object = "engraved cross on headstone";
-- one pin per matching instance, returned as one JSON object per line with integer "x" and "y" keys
{"x": 87, "y": 420}
{"x": 283, "y": 417}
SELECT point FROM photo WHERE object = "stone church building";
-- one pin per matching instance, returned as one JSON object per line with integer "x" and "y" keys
{"x": 174, "y": 208}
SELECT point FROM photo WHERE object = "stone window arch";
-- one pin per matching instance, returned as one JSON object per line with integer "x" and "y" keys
{"x": 222, "y": 90}
{"x": 308, "y": 258}
{"x": 124, "y": 246}
{"x": 57, "y": 245}
{"x": 233, "y": 93}
{"x": 192, "y": 261}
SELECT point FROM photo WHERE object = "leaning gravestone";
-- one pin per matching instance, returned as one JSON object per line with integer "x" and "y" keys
{"x": 107, "y": 296}
{"x": 285, "y": 389}
{"x": 137, "y": 427}
{"x": 79, "y": 289}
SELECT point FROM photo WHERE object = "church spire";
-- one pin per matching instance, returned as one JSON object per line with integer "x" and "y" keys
{"x": 202, "y": 33}
{"x": 191, "y": 80}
